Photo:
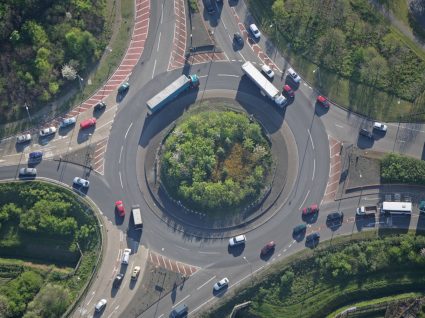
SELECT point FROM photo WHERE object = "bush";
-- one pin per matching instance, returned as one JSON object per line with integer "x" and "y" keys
{"x": 396, "y": 168}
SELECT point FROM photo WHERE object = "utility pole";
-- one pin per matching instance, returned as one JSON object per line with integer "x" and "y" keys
{"x": 28, "y": 111}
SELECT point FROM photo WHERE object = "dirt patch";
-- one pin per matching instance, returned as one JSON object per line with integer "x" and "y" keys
{"x": 364, "y": 168}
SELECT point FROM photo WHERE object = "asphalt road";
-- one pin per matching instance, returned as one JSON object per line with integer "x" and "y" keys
{"x": 130, "y": 135}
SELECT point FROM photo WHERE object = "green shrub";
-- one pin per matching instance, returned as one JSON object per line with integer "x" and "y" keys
{"x": 396, "y": 168}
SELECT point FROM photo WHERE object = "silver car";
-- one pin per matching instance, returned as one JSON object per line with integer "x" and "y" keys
{"x": 100, "y": 305}
{"x": 221, "y": 284}
{"x": 47, "y": 131}
{"x": 68, "y": 122}
{"x": 29, "y": 172}
{"x": 81, "y": 182}
{"x": 23, "y": 138}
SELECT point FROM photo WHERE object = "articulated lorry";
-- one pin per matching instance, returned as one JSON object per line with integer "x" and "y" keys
{"x": 264, "y": 84}
{"x": 181, "y": 84}
{"x": 366, "y": 210}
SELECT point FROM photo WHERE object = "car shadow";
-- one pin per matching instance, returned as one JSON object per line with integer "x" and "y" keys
{"x": 98, "y": 112}
{"x": 333, "y": 225}
{"x": 119, "y": 220}
{"x": 299, "y": 237}
{"x": 121, "y": 96}
{"x": 311, "y": 244}
{"x": 365, "y": 221}
{"x": 289, "y": 81}
{"x": 132, "y": 283}
{"x": 221, "y": 292}
{"x": 236, "y": 251}
{"x": 85, "y": 134}
{"x": 81, "y": 190}
{"x": 364, "y": 142}
{"x": 21, "y": 147}
{"x": 233, "y": 3}
{"x": 378, "y": 134}
{"x": 63, "y": 131}
{"x": 266, "y": 257}
{"x": 33, "y": 163}
{"x": 320, "y": 110}
{"x": 42, "y": 141}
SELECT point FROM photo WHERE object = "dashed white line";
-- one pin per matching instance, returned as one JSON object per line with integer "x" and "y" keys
{"x": 311, "y": 139}
{"x": 242, "y": 56}
{"x": 209, "y": 252}
{"x": 128, "y": 129}
{"x": 206, "y": 283}
{"x": 304, "y": 200}
{"x": 223, "y": 24}
{"x": 175, "y": 305}
{"x": 119, "y": 160}
{"x": 340, "y": 126}
{"x": 162, "y": 12}
{"x": 159, "y": 41}
{"x": 121, "y": 180}
{"x": 228, "y": 75}
{"x": 314, "y": 168}
{"x": 154, "y": 66}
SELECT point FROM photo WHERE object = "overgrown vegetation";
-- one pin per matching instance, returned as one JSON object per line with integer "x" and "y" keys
{"x": 330, "y": 278}
{"x": 193, "y": 5}
{"x": 216, "y": 160}
{"x": 396, "y": 168}
{"x": 36, "y": 40}
{"x": 45, "y": 225}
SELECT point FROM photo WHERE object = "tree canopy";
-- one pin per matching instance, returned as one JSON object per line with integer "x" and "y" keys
{"x": 216, "y": 160}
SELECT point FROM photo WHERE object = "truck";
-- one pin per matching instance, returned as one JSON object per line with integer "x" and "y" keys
{"x": 264, "y": 84}
{"x": 181, "y": 84}
{"x": 366, "y": 210}
{"x": 137, "y": 217}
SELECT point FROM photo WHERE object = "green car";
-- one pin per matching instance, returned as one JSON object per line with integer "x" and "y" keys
{"x": 422, "y": 207}
{"x": 299, "y": 229}
{"x": 123, "y": 88}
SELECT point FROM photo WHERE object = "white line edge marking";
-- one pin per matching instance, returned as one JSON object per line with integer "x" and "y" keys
{"x": 206, "y": 283}
{"x": 314, "y": 168}
{"x": 159, "y": 41}
{"x": 162, "y": 12}
{"x": 228, "y": 75}
{"x": 175, "y": 305}
{"x": 128, "y": 130}
{"x": 154, "y": 66}
{"x": 311, "y": 139}
{"x": 304, "y": 200}
{"x": 121, "y": 179}
{"x": 122, "y": 147}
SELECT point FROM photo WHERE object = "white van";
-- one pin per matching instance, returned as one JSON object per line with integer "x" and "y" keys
{"x": 126, "y": 256}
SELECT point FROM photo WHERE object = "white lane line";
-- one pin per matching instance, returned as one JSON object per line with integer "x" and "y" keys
{"x": 210, "y": 253}
{"x": 121, "y": 180}
{"x": 311, "y": 139}
{"x": 91, "y": 298}
{"x": 228, "y": 75}
{"x": 162, "y": 12}
{"x": 314, "y": 168}
{"x": 370, "y": 199}
{"x": 206, "y": 283}
{"x": 202, "y": 305}
{"x": 122, "y": 147}
{"x": 162, "y": 315}
{"x": 181, "y": 301}
{"x": 242, "y": 56}
{"x": 202, "y": 76}
{"x": 183, "y": 248}
{"x": 304, "y": 200}
{"x": 128, "y": 130}
{"x": 340, "y": 126}
{"x": 159, "y": 41}
{"x": 224, "y": 24}
{"x": 154, "y": 66}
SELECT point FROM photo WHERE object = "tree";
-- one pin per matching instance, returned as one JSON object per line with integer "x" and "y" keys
{"x": 69, "y": 72}
{"x": 52, "y": 301}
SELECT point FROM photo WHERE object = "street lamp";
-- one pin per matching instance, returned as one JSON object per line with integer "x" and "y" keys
{"x": 250, "y": 266}
{"x": 28, "y": 111}
{"x": 80, "y": 81}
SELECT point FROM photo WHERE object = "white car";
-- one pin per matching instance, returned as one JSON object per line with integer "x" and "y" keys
{"x": 100, "y": 305}
{"x": 380, "y": 126}
{"x": 23, "y": 138}
{"x": 255, "y": 31}
{"x": 268, "y": 71}
{"x": 28, "y": 172}
{"x": 221, "y": 284}
{"x": 240, "y": 239}
{"x": 47, "y": 131}
{"x": 81, "y": 182}
{"x": 135, "y": 273}
{"x": 295, "y": 77}
{"x": 68, "y": 122}
{"x": 126, "y": 256}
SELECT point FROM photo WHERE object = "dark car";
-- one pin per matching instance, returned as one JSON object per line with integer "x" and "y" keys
{"x": 99, "y": 106}
{"x": 322, "y": 100}
{"x": 366, "y": 133}
{"x": 237, "y": 38}
{"x": 209, "y": 6}
{"x": 36, "y": 155}
{"x": 118, "y": 280}
{"x": 123, "y": 88}
{"x": 422, "y": 207}
{"x": 312, "y": 238}
{"x": 270, "y": 246}
{"x": 312, "y": 209}
{"x": 299, "y": 229}
{"x": 288, "y": 91}
{"x": 179, "y": 311}
{"x": 335, "y": 216}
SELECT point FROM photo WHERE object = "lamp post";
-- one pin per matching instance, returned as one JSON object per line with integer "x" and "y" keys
{"x": 250, "y": 266}
{"x": 28, "y": 111}
{"x": 80, "y": 81}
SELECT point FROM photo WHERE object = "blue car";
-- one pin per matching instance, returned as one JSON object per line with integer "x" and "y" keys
{"x": 36, "y": 155}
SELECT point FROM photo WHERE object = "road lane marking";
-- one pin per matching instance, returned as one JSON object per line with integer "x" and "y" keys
{"x": 340, "y": 126}
{"x": 202, "y": 305}
{"x": 304, "y": 200}
{"x": 209, "y": 252}
{"x": 242, "y": 56}
{"x": 314, "y": 168}
{"x": 162, "y": 12}
{"x": 91, "y": 298}
{"x": 206, "y": 283}
{"x": 128, "y": 130}
{"x": 154, "y": 66}
{"x": 228, "y": 75}
{"x": 122, "y": 147}
{"x": 121, "y": 180}
{"x": 311, "y": 139}
{"x": 159, "y": 41}
{"x": 202, "y": 76}
{"x": 175, "y": 305}
{"x": 105, "y": 124}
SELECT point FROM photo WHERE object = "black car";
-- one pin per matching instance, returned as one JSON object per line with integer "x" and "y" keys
{"x": 100, "y": 106}
{"x": 299, "y": 229}
{"x": 366, "y": 133}
{"x": 313, "y": 237}
{"x": 237, "y": 38}
{"x": 335, "y": 216}
{"x": 118, "y": 280}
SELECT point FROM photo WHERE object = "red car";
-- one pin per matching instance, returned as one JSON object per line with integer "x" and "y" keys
{"x": 312, "y": 209}
{"x": 270, "y": 246}
{"x": 288, "y": 91}
{"x": 119, "y": 206}
{"x": 88, "y": 123}
{"x": 323, "y": 101}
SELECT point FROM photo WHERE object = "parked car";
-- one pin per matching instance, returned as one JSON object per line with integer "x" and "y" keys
{"x": 28, "y": 172}
{"x": 99, "y": 106}
{"x": 221, "y": 284}
{"x": 312, "y": 209}
{"x": 47, "y": 131}
{"x": 312, "y": 238}
{"x": 68, "y": 122}
{"x": 123, "y": 88}
{"x": 119, "y": 206}
{"x": 335, "y": 216}
{"x": 210, "y": 6}
{"x": 180, "y": 311}
{"x": 323, "y": 101}
{"x": 237, "y": 240}
{"x": 80, "y": 182}
{"x": 126, "y": 256}
{"x": 366, "y": 133}
{"x": 288, "y": 91}
{"x": 253, "y": 28}
{"x": 100, "y": 305}
{"x": 268, "y": 71}
{"x": 294, "y": 76}
{"x": 422, "y": 207}
{"x": 135, "y": 273}
{"x": 23, "y": 138}
{"x": 118, "y": 280}
{"x": 35, "y": 155}
{"x": 269, "y": 247}
{"x": 299, "y": 229}
{"x": 237, "y": 38}
{"x": 380, "y": 126}
{"x": 88, "y": 123}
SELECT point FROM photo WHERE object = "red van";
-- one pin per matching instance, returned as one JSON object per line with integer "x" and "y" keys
{"x": 88, "y": 123}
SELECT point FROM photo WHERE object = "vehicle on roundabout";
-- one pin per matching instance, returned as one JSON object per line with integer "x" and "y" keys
{"x": 68, "y": 122}
{"x": 88, "y": 123}
{"x": 380, "y": 126}
{"x": 224, "y": 283}
{"x": 268, "y": 248}
{"x": 312, "y": 238}
{"x": 118, "y": 280}
{"x": 333, "y": 217}
{"x": 23, "y": 138}
{"x": 80, "y": 182}
{"x": 119, "y": 207}
{"x": 180, "y": 311}
{"x": 135, "y": 273}
{"x": 100, "y": 106}
{"x": 47, "y": 131}
{"x": 323, "y": 101}
{"x": 238, "y": 39}
{"x": 288, "y": 91}
{"x": 310, "y": 210}
{"x": 27, "y": 172}
{"x": 299, "y": 229}
{"x": 100, "y": 305}
{"x": 126, "y": 256}
{"x": 237, "y": 240}
{"x": 35, "y": 156}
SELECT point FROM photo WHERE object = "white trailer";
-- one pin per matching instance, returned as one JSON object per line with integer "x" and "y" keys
{"x": 264, "y": 84}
